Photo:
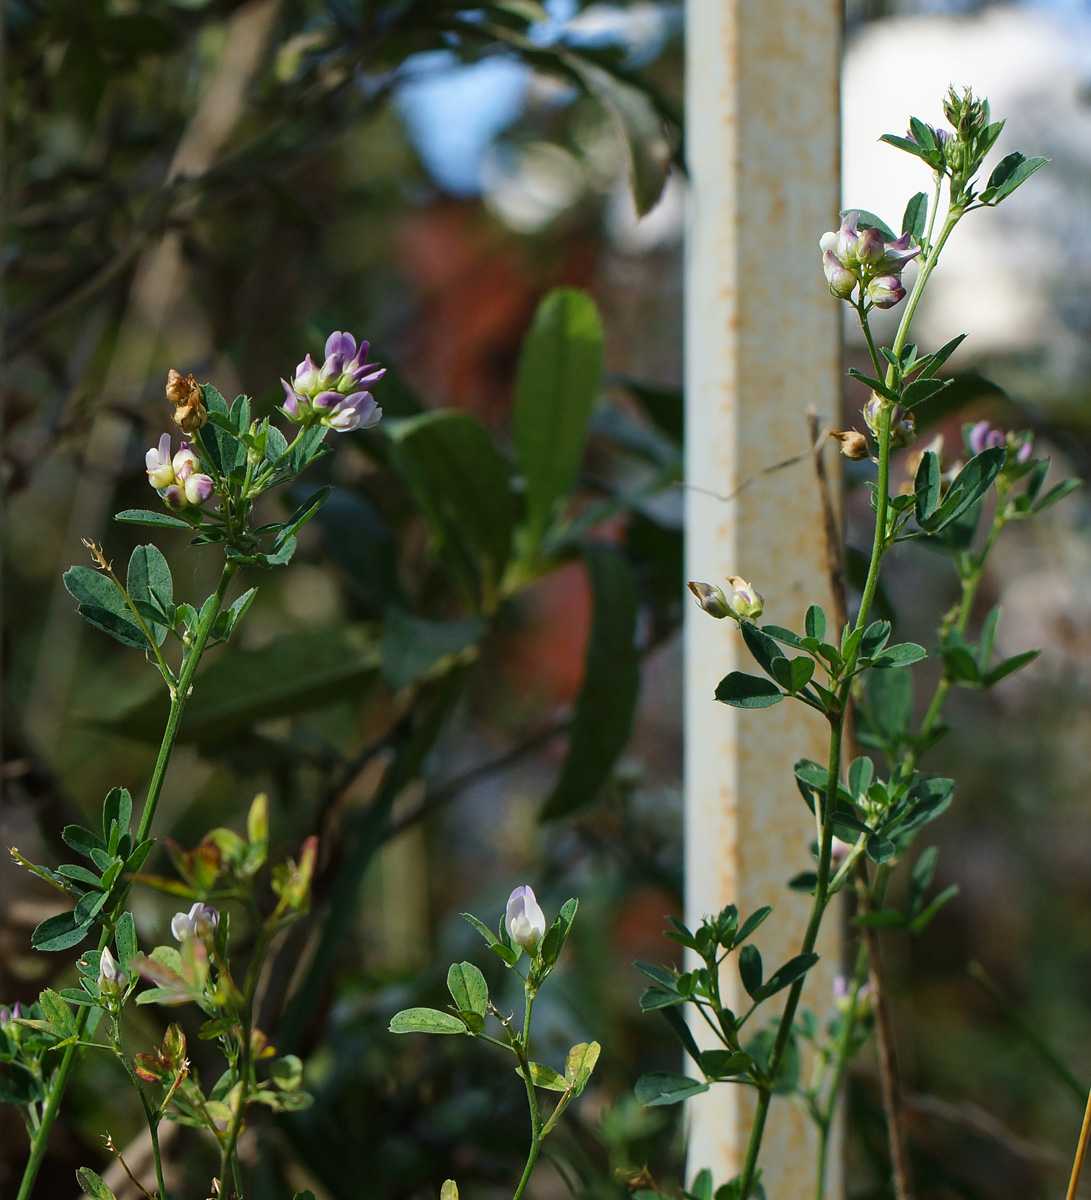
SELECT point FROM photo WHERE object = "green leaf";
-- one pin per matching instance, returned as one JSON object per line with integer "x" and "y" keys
{"x": 545, "y": 1077}
{"x": 655, "y": 997}
{"x": 462, "y": 484}
{"x": 972, "y": 482}
{"x": 144, "y": 516}
{"x": 905, "y": 144}
{"x": 579, "y": 1063}
{"x": 118, "y": 806}
{"x": 922, "y": 919}
{"x": 81, "y": 840}
{"x": 494, "y": 943}
{"x": 927, "y": 486}
{"x": 815, "y": 623}
{"x": 58, "y": 933}
{"x": 223, "y": 449}
{"x": 57, "y": 1013}
{"x": 720, "y": 1064}
{"x": 1059, "y": 492}
{"x": 1011, "y": 171}
{"x": 291, "y": 674}
{"x": 747, "y": 691}
{"x": 880, "y": 849}
{"x": 449, "y": 1191}
{"x": 664, "y": 1087}
{"x": 923, "y": 389}
{"x": 359, "y": 541}
{"x": 763, "y": 648}
{"x": 874, "y": 639}
{"x": 935, "y": 361}
{"x": 412, "y": 647}
{"x": 555, "y": 390}
{"x": 468, "y": 988}
{"x": 890, "y": 700}
{"x": 125, "y": 940}
{"x": 149, "y": 582}
{"x": 122, "y": 629}
{"x": 92, "y": 1185}
{"x": 750, "y": 970}
{"x": 795, "y": 968}
{"x": 101, "y": 604}
{"x": 603, "y": 716}
{"x": 557, "y": 934}
{"x": 750, "y": 924}
{"x": 302, "y": 515}
{"x": 1008, "y": 666}
{"x": 426, "y": 1020}
{"x": 876, "y": 385}
{"x": 916, "y": 216}
{"x": 639, "y": 124}
{"x": 902, "y": 655}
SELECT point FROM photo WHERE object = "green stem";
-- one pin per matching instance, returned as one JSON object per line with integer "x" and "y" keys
{"x": 522, "y": 1050}
{"x": 810, "y": 937}
{"x": 209, "y": 612}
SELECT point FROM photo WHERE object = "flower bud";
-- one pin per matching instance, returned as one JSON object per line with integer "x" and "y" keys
{"x": 838, "y": 276}
{"x": 853, "y": 443}
{"x": 711, "y": 599}
{"x": 843, "y": 241}
{"x": 525, "y": 920}
{"x": 185, "y": 462}
{"x": 201, "y": 921}
{"x": 185, "y": 394}
{"x": 745, "y": 600}
{"x": 903, "y": 425}
{"x": 111, "y": 978}
{"x": 869, "y": 247}
{"x": 1022, "y": 445}
{"x": 198, "y": 488}
{"x": 885, "y": 291}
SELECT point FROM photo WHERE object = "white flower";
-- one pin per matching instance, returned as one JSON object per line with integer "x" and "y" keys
{"x": 525, "y": 919}
{"x": 200, "y": 921}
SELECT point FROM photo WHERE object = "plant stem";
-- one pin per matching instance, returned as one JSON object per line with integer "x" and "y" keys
{"x": 209, "y": 612}
{"x": 818, "y": 908}
{"x": 1081, "y": 1152}
{"x": 522, "y": 1050}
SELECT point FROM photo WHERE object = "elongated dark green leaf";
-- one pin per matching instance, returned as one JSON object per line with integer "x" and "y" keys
{"x": 792, "y": 970}
{"x": 916, "y": 214}
{"x": 905, "y": 144}
{"x": 902, "y": 655}
{"x": 747, "y": 691}
{"x": 143, "y": 516}
{"x": 923, "y": 389}
{"x": 603, "y": 717}
{"x": 927, "y": 487}
{"x": 125, "y": 940}
{"x": 556, "y": 386}
{"x": 304, "y": 513}
{"x": 664, "y": 1087}
{"x": 764, "y": 648}
{"x": 462, "y": 484}
{"x": 935, "y": 361}
{"x": 1009, "y": 665}
{"x": 289, "y": 675}
{"x": 412, "y": 647}
{"x": 426, "y": 1020}
{"x": 750, "y": 969}
{"x": 359, "y": 541}
{"x": 118, "y": 806}
{"x": 720, "y": 1064}
{"x": 101, "y": 604}
{"x": 58, "y": 933}
{"x": 1008, "y": 174}
{"x": 640, "y": 127}
{"x": 750, "y": 924}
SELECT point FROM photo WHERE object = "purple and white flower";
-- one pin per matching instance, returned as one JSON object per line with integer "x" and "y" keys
{"x": 178, "y": 479}
{"x": 201, "y": 921}
{"x": 335, "y": 394}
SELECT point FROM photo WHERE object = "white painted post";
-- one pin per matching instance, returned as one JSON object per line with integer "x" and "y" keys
{"x": 763, "y": 343}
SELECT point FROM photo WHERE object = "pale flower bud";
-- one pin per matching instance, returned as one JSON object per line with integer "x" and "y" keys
{"x": 111, "y": 978}
{"x": 838, "y": 276}
{"x": 853, "y": 443}
{"x": 158, "y": 462}
{"x": 525, "y": 920}
{"x": 711, "y": 599}
{"x": 885, "y": 291}
{"x": 185, "y": 462}
{"x": 745, "y": 600}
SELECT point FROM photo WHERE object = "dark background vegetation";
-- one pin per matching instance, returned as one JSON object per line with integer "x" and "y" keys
{"x": 214, "y": 186}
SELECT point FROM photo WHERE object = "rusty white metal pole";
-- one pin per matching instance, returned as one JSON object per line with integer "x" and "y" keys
{"x": 762, "y": 343}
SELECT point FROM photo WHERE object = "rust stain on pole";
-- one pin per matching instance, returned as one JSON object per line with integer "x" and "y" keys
{"x": 763, "y": 343}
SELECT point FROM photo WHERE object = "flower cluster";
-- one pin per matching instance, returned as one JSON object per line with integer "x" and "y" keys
{"x": 178, "y": 480}
{"x": 982, "y": 436}
{"x": 852, "y": 256}
{"x": 335, "y": 394}
{"x": 745, "y": 603}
